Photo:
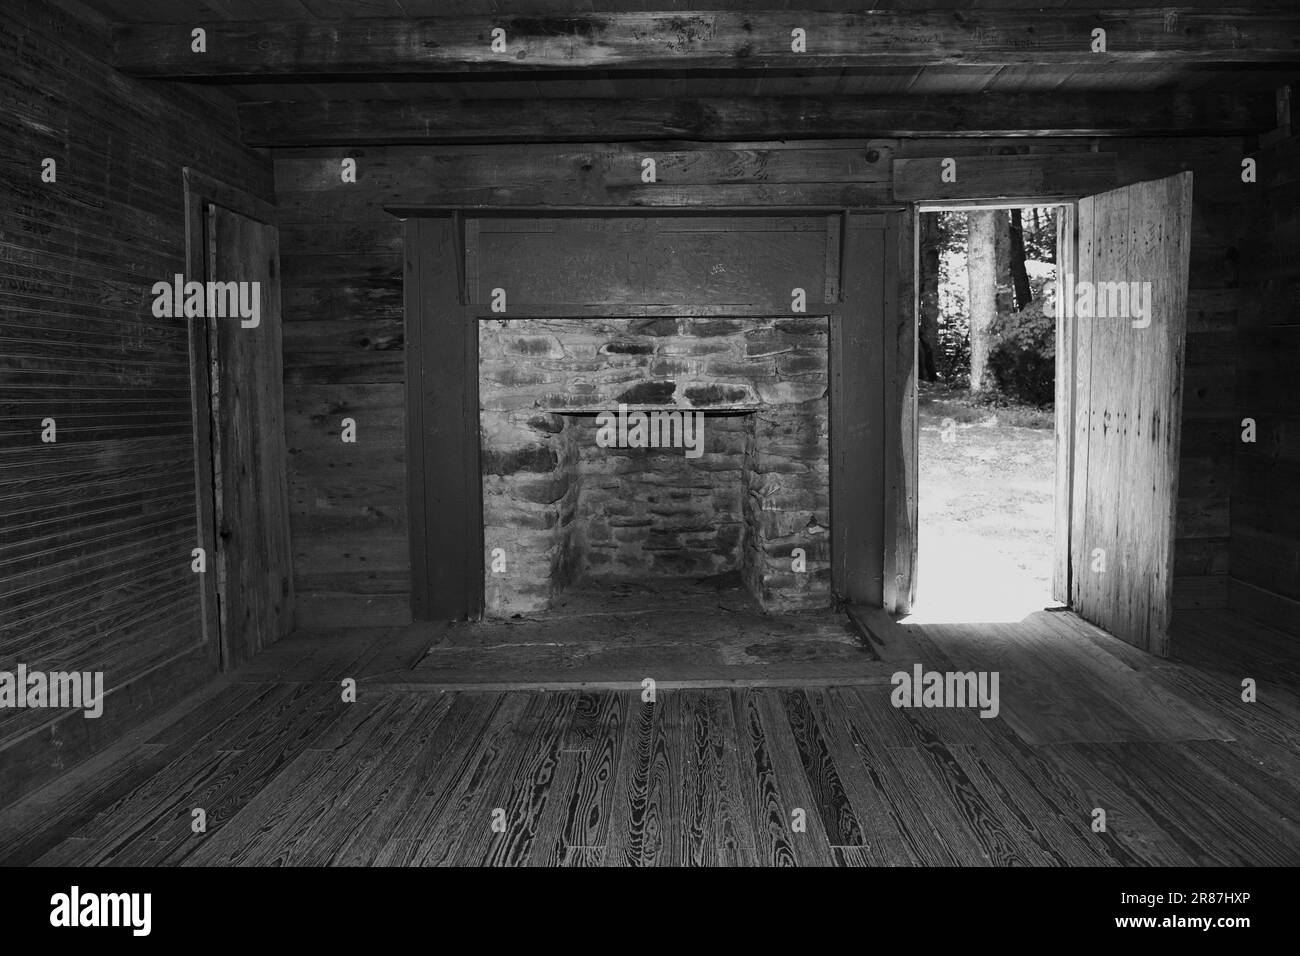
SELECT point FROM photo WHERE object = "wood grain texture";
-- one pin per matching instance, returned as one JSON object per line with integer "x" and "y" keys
{"x": 252, "y": 556}
{"x": 1125, "y": 483}
{"x": 989, "y": 177}
{"x": 714, "y": 40}
{"x": 713, "y": 776}
{"x": 686, "y": 261}
{"x": 281, "y": 123}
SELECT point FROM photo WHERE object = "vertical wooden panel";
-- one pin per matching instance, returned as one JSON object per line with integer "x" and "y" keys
{"x": 1080, "y": 555}
{"x": 1133, "y": 388}
{"x": 1066, "y": 347}
{"x": 196, "y": 268}
{"x": 858, "y": 370}
{"x": 442, "y": 411}
{"x": 901, "y": 521}
{"x": 254, "y": 557}
{"x": 413, "y": 295}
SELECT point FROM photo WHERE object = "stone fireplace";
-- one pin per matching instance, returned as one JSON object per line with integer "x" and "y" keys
{"x": 559, "y": 509}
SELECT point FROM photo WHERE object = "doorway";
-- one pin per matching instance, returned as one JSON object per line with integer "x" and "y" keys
{"x": 986, "y": 357}
{"x": 1120, "y": 331}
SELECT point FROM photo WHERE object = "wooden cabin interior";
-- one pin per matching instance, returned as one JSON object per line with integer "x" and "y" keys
{"x": 350, "y": 559}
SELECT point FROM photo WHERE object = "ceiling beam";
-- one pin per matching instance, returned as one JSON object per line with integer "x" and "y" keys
{"x": 714, "y": 40}
{"x": 358, "y": 122}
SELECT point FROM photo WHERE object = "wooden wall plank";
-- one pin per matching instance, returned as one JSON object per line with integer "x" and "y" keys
{"x": 1265, "y": 513}
{"x": 993, "y": 177}
{"x": 858, "y": 426}
{"x": 1089, "y": 113}
{"x": 713, "y": 40}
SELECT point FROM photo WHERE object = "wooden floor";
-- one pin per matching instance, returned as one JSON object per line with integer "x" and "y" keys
{"x": 416, "y": 773}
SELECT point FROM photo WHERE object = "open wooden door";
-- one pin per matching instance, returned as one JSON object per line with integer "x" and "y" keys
{"x": 253, "y": 559}
{"x": 1127, "y": 404}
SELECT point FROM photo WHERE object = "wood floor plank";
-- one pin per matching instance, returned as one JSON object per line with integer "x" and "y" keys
{"x": 530, "y": 793}
{"x": 547, "y": 844}
{"x": 778, "y": 786}
{"x": 991, "y": 813}
{"x": 1130, "y": 828}
{"x": 585, "y": 856}
{"x": 881, "y": 834}
{"x": 356, "y": 780}
{"x": 1236, "y": 769}
{"x": 258, "y": 831}
{"x": 715, "y": 825}
{"x": 450, "y": 770}
{"x": 852, "y": 856}
{"x": 895, "y": 779}
{"x": 224, "y": 782}
{"x": 420, "y": 787}
{"x": 708, "y": 775}
{"x": 1049, "y": 807}
{"x": 1233, "y": 825}
{"x": 464, "y": 830}
{"x": 647, "y": 801}
{"x": 32, "y": 830}
{"x": 170, "y": 794}
{"x": 593, "y": 797}
{"x": 829, "y": 796}
{"x": 229, "y": 701}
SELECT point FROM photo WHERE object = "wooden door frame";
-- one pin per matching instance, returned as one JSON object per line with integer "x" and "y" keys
{"x": 201, "y": 189}
{"x": 1064, "y": 385}
{"x": 433, "y": 286}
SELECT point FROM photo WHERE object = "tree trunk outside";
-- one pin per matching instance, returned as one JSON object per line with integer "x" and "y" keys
{"x": 1002, "y": 261}
{"x": 982, "y": 285}
{"x": 931, "y": 243}
{"x": 1019, "y": 276}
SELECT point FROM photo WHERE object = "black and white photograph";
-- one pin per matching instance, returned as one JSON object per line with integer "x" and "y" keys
{"x": 618, "y": 433}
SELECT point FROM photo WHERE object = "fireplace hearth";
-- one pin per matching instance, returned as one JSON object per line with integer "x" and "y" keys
{"x": 748, "y": 495}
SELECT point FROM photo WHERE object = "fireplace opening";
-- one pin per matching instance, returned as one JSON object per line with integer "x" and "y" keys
{"x": 654, "y": 455}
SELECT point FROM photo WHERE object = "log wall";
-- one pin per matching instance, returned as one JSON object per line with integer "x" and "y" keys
{"x": 1265, "y": 526}
{"x": 99, "y": 524}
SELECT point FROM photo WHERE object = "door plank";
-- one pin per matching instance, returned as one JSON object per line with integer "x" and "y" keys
{"x": 1129, "y": 382}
